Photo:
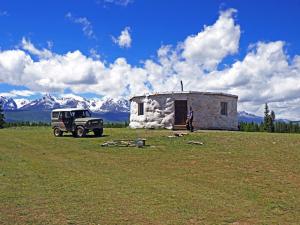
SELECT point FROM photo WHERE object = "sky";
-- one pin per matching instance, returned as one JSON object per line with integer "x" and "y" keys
{"x": 96, "y": 48}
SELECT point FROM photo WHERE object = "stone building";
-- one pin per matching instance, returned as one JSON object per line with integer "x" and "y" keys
{"x": 169, "y": 110}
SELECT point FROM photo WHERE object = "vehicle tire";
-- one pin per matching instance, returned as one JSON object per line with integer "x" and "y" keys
{"x": 57, "y": 132}
{"x": 98, "y": 132}
{"x": 80, "y": 132}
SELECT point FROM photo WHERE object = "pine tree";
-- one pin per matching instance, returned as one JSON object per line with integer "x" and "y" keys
{"x": 2, "y": 118}
{"x": 267, "y": 118}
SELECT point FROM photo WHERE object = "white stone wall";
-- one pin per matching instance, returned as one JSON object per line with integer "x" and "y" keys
{"x": 159, "y": 111}
{"x": 207, "y": 111}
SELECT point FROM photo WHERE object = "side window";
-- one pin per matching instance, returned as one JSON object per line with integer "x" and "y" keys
{"x": 60, "y": 116}
{"x": 140, "y": 109}
{"x": 55, "y": 115}
{"x": 224, "y": 108}
{"x": 67, "y": 115}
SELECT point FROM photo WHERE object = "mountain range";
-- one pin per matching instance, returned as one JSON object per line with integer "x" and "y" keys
{"x": 110, "y": 109}
{"x": 49, "y": 102}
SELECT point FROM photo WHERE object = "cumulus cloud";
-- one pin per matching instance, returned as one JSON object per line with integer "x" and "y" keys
{"x": 211, "y": 45}
{"x": 124, "y": 40}
{"x": 85, "y": 24}
{"x": 265, "y": 74}
{"x": 72, "y": 70}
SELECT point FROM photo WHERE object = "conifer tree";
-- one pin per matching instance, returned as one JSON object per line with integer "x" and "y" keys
{"x": 267, "y": 118}
{"x": 2, "y": 118}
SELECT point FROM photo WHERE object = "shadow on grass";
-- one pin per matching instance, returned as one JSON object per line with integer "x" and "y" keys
{"x": 87, "y": 136}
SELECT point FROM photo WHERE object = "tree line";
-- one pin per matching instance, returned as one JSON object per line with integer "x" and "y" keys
{"x": 279, "y": 127}
{"x": 25, "y": 124}
{"x": 270, "y": 125}
{"x": 2, "y": 117}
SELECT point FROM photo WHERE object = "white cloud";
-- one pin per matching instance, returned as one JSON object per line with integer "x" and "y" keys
{"x": 17, "y": 93}
{"x": 12, "y": 65}
{"x": 4, "y": 13}
{"x": 28, "y": 46}
{"x": 73, "y": 71}
{"x": 215, "y": 42}
{"x": 72, "y": 96}
{"x": 50, "y": 44}
{"x": 116, "y": 2}
{"x": 86, "y": 25}
{"x": 124, "y": 40}
{"x": 265, "y": 74}
{"x": 94, "y": 54}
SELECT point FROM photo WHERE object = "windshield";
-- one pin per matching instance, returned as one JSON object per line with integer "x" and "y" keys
{"x": 81, "y": 114}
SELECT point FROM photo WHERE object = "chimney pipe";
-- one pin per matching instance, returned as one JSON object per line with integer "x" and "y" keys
{"x": 181, "y": 85}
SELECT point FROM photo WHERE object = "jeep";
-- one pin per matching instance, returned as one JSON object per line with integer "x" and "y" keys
{"x": 77, "y": 121}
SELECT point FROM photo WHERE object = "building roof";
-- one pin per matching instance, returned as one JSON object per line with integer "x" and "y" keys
{"x": 68, "y": 109}
{"x": 184, "y": 93}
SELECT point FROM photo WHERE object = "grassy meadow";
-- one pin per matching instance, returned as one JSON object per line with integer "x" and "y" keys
{"x": 233, "y": 178}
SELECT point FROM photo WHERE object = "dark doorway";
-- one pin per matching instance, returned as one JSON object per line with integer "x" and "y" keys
{"x": 180, "y": 112}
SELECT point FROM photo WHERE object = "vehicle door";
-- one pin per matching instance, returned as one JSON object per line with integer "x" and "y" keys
{"x": 68, "y": 121}
{"x": 65, "y": 121}
{"x": 61, "y": 121}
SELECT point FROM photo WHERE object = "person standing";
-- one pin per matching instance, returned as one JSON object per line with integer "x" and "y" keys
{"x": 190, "y": 118}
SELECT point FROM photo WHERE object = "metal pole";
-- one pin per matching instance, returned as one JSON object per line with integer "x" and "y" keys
{"x": 181, "y": 85}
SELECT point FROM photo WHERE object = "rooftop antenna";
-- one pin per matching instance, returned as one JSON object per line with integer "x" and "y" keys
{"x": 181, "y": 86}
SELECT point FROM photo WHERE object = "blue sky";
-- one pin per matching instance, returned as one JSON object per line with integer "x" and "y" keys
{"x": 93, "y": 28}
{"x": 153, "y": 23}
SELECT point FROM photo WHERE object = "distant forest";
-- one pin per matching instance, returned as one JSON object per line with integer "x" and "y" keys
{"x": 279, "y": 127}
{"x": 270, "y": 125}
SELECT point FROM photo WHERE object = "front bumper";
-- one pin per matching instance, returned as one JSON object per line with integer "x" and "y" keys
{"x": 91, "y": 125}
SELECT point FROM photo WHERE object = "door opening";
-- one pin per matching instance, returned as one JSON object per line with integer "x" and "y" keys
{"x": 180, "y": 112}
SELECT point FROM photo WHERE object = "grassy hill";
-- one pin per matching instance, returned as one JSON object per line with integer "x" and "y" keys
{"x": 234, "y": 178}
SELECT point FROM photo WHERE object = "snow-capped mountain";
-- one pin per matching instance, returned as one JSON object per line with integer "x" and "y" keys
{"x": 248, "y": 117}
{"x": 112, "y": 105}
{"x": 21, "y": 102}
{"x": 49, "y": 102}
{"x": 8, "y": 103}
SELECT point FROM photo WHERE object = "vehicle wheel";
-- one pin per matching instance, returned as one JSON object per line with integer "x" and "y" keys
{"x": 80, "y": 132}
{"x": 98, "y": 132}
{"x": 57, "y": 132}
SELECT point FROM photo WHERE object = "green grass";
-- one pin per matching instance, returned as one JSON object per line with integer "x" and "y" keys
{"x": 234, "y": 178}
